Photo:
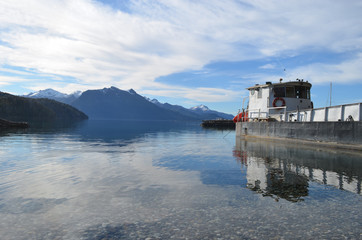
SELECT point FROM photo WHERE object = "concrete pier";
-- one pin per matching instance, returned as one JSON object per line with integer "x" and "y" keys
{"x": 348, "y": 133}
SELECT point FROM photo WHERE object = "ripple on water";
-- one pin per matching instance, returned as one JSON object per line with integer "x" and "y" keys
{"x": 172, "y": 184}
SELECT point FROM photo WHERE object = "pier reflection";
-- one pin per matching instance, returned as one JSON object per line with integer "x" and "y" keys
{"x": 280, "y": 170}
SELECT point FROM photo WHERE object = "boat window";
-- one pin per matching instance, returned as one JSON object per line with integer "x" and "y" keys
{"x": 290, "y": 92}
{"x": 301, "y": 92}
{"x": 279, "y": 91}
{"x": 260, "y": 95}
{"x": 308, "y": 93}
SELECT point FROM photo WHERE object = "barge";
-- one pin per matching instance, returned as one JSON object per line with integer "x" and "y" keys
{"x": 10, "y": 124}
{"x": 219, "y": 124}
{"x": 284, "y": 110}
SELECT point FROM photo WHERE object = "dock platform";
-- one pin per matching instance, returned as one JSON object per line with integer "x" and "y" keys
{"x": 219, "y": 123}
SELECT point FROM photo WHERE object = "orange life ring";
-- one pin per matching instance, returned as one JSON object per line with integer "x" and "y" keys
{"x": 278, "y": 99}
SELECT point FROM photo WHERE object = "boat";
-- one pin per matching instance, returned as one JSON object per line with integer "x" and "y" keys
{"x": 218, "y": 124}
{"x": 10, "y": 124}
{"x": 285, "y": 110}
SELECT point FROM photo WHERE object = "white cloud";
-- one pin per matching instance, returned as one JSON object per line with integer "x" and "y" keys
{"x": 349, "y": 71}
{"x": 267, "y": 66}
{"x": 100, "y": 46}
{"x": 7, "y": 80}
{"x": 196, "y": 94}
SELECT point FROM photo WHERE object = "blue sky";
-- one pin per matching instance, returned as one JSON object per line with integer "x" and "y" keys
{"x": 182, "y": 51}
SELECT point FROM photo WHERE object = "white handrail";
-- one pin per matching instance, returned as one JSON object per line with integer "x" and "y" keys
{"x": 346, "y": 112}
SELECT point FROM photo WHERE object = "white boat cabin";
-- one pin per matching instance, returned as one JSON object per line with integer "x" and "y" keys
{"x": 290, "y": 101}
{"x": 273, "y": 100}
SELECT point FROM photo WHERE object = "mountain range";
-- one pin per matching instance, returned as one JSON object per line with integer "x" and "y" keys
{"x": 114, "y": 103}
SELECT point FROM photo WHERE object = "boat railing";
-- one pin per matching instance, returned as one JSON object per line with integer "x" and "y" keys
{"x": 338, "y": 113}
{"x": 341, "y": 113}
{"x": 257, "y": 114}
{"x": 278, "y": 113}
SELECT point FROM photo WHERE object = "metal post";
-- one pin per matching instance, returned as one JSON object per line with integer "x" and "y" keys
{"x": 285, "y": 114}
{"x": 298, "y": 115}
{"x": 342, "y": 113}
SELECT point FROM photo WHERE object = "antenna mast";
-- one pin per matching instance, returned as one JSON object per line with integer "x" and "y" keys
{"x": 330, "y": 94}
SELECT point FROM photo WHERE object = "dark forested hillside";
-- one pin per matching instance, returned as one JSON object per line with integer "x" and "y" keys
{"x": 16, "y": 108}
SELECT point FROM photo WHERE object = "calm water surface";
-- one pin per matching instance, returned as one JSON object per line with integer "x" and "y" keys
{"x": 160, "y": 180}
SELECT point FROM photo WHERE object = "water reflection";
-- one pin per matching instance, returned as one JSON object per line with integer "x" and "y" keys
{"x": 104, "y": 130}
{"x": 139, "y": 180}
{"x": 110, "y": 130}
{"x": 284, "y": 171}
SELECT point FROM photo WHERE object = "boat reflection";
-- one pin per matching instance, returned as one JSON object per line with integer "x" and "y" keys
{"x": 283, "y": 171}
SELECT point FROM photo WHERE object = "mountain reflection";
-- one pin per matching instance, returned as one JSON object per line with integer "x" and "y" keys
{"x": 111, "y": 130}
{"x": 284, "y": 171}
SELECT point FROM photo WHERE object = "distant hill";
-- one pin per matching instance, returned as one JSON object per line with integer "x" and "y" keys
{"x": 55, "y": 95}
{"x": 200, "y": 112}
{"x": 17, "y": 108}
{"x": 113, "y": 103}
{"x": 205, "y": 111}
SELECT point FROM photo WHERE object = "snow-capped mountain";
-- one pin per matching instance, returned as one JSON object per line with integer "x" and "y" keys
{"x": 113, "y": 103}
{"x": 201, "y": 112}
{"x": 205, "y": 111}
{"x": 76, "y": 94}
{"x": 55, "y": 95}
{"x": 155, "y": 101}
{"x": 200, "y": 108}
{"x": 47, "y": 93}
{"x": 131, "y": 91}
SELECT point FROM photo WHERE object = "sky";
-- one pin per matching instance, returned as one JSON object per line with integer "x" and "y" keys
{"x": 183, "y": 52}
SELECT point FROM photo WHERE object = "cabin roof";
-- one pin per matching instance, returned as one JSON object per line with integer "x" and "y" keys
{"x": 291, "y": 83}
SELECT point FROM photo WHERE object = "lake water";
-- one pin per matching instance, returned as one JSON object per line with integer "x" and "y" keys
{"x": 161, "y": 180}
